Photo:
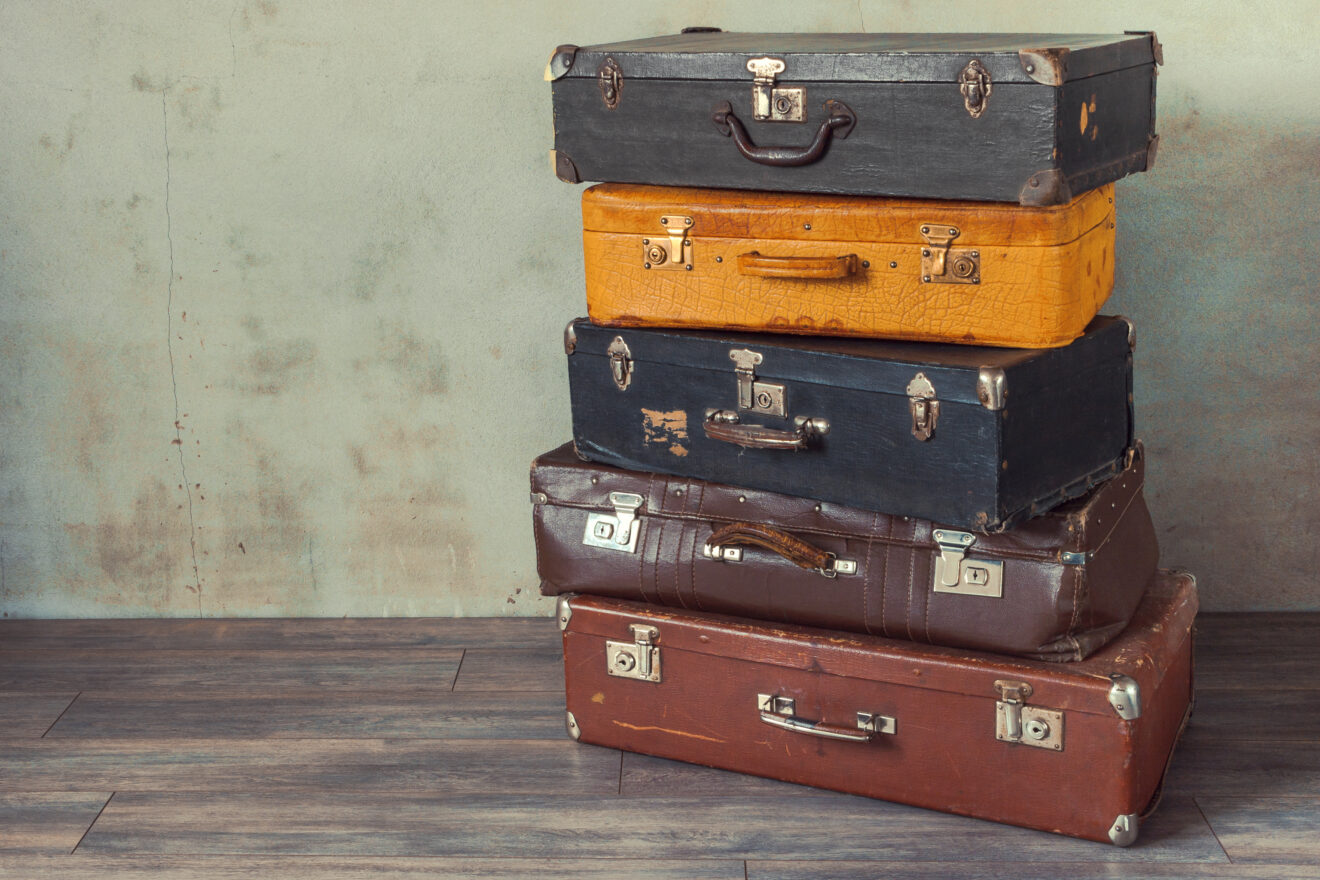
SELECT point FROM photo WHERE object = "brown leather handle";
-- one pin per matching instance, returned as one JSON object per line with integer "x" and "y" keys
{"x": 761, "y": 266}
{"x": 795, "y": 550}
{"x": 839, "y": 123}
{"x": 726, "y": 426}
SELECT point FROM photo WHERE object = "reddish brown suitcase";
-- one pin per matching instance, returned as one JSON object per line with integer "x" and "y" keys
{"x": 1057, "y": 587}
{"x": 961, "y": 732}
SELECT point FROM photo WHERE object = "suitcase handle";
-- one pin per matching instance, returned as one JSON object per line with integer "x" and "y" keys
{"x": 760, "y": 266}
{"x": 795, "y": 550}
{"x": 725, "y": 426}
{"x": 839, "y": 123}
{"x": 780, "y": 712}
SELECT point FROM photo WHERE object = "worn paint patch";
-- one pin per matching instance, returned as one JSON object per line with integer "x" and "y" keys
{"x": 667, "y": 429}
{"x": 598, "y": 697}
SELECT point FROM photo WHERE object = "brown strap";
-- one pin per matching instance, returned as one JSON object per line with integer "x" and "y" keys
{"x": 725, "y": 426}
{"x": 760, "y": 266}
{"x": 795, "y": 550}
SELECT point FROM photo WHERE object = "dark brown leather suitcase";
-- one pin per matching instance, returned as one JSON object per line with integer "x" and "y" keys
{"x": 1077, "y": 749}
{"x": 1028, "y": 118}
{"x": 1057, "y": 587}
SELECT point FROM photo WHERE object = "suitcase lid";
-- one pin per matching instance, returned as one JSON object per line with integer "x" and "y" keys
{"x": 709, "y": 54}
{"x": 636, "y": 209}
{"x": 1159, "y": 628}
{"x": 879, "y": 366}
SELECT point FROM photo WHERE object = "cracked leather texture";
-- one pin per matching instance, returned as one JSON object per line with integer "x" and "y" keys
{"x": 1045, "y": 272}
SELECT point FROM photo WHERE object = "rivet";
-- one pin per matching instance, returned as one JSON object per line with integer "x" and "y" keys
{"x": 976, "y": 280}
{"x": 595, "y": 480}
{"x": 866, "y": 264}
{"x": 893, "y": 264}
{"x": 925, "y": 229}
{"x": 646, "y": 265}
{"x": 646, "y": 241}
{"x": 925, "y": 252}
{"x": 719, "y": 259}
{"x": 687, "y": 221}
{"x": 818, "y": 508}
{"x": 688, "y": 267}
{"x": 742, "y": 499}
{"x": 806, "y": 226}
{"x": 1031, "y": 68}
{"x": 925, "y": 278}
{"x": 976, "y": 253}
{"x": 664, "y": 221}
{"x": 952, "y": 231}
{"x": 678, "y": 491}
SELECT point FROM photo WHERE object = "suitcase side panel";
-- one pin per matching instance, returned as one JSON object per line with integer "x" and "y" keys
{"x": 1105, "y": 125}
{"x": 910, "y": 139}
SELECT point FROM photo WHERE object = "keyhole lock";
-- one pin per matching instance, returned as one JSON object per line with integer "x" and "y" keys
{"x": 783, "y": 105}
{"x": 656, "y": 254}
{"x": 1037, "y": 729}
{"x": 963, "y": 267}
{"x": 625, "y": 662}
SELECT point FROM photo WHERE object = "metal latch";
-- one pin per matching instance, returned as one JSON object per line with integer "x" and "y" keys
{"x": 771, "y": 104}
{"x": 1028, "y": 725}
{"x": 676, "y": 253}
{"x": 621, "y": 365}
{"x": 638, "y": 659}
{"x": 754, "y": 396}
{"x": 974, "y": 83}
{"x": 955, "y": 573}
{"x": 619, "y": 531}
{"x": 925, "y": 408}
{"x": 942, "y": 264}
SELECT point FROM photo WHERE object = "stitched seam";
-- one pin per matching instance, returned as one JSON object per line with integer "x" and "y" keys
{"x": 678, "y": 556}
{"x": 866, "y": 580}
{"x": 929, "y": 596}
{"x": 912, "y": 579}
{"x": 884, "y": 589}
{"x": 655, "y": 569}
{"x": 641, "y": 542}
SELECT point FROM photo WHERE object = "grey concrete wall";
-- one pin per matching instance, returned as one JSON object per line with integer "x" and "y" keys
{"x": 282, "y": 285}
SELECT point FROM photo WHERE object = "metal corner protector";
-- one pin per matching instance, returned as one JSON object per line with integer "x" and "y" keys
{"x": 1045, "y": 188}
{"x": 571, "y": 725}
{"x": 1125, "y": 696}
{"x": 564, "y": 610}
{"x": 564, "y": 168}
{"x": 992, "y": 388}
{"x": 570, "y": 336}
{"x": 1124, "y": 830}
{"x": 561, "y": 62}
{"x": 1049, "y": 66}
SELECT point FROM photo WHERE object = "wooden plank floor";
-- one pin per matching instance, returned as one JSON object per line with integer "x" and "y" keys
{"x": 435, "y": 748}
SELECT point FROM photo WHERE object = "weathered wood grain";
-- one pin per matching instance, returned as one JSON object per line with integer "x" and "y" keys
{"x": 233, "y": 672}
{"x": 275, "y": 635}
{"x": 1245, "y": 768}
{"x": 1280, "y": 630}
{"x": 81, "y": 866}
{"x": 531, "y": 668}
{"x": 1244, "y": 714}
{"x": 760, "y": 870}
{"x": 1263, "y": 829}
{"x": 660, "y": 777}
{"x": 339, "y": 714}
{"x": 1258, "y": 664}
{"x": 314, "y": 767}
{"x": 551, "y": 826}
{"x": 25, "y": 715}
{"x": 45, "y": 822}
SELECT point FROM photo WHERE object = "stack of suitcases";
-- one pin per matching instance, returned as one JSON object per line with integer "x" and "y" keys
{"x": 854, "y": 498}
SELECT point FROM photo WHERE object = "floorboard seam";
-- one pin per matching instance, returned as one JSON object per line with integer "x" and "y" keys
{"x": 459, "y": 669}
{"x": 620, "y": 773}
{"x": 61, "y": 715}
{"x": 94, "y": 819}
{"x": 1208, "y": 824}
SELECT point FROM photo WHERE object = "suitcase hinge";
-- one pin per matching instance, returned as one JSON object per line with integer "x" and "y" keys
{"x": 674, "y": 254}
{"x": 617, "y": 532}
{"x": 954, "y": 573}
{"x": 1017, "y": 722}
{"x": 621, "y": 364}
{"x": 771, "y": 104}
{"x": 638, "y": 659}
{"x": 754, "y": 396}
{"x": 942, "y": 264}
{"x": 925, "y": 408}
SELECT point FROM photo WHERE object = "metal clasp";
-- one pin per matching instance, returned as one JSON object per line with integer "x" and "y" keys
{"x": 974, "y": 83}
{"x": 942, "y": 264}
{"x": 676, "y": 253}
{"x": 771, "y": 104}
{"x": 638, "y": 659}
{"x": 1017, "y": 722}
{"x": 924, "y": 407}
{"x": 621, "y": 365}
{"x": 619, "y": 531}
{"x": 754, "y": 396}
{"x": 954, "y": 573}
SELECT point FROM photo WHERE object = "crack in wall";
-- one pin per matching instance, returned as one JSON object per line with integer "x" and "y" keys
{"x": 859, "y": 16}
{"x": 169, "y": 347}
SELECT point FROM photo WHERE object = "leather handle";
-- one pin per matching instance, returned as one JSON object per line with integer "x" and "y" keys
{"x": 761, "y": 266}
{"x": 838, "y": 123}
{"x": 795, "y": 550}
{"x": 725, "y": 426}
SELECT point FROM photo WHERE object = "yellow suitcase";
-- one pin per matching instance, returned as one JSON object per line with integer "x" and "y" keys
{"x": 967, "y": 272}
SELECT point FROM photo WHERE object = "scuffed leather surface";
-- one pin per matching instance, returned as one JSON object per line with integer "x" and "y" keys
{"x": 1048, "y": 611}
{"x": 1045, "y": 272}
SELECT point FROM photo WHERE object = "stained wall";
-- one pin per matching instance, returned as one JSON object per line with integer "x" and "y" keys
{"x": 282, "y": 285}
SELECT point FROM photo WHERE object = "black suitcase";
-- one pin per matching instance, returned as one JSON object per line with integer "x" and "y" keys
{"x": 1028, "y": 118}
{"x": 966, "y": 436}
